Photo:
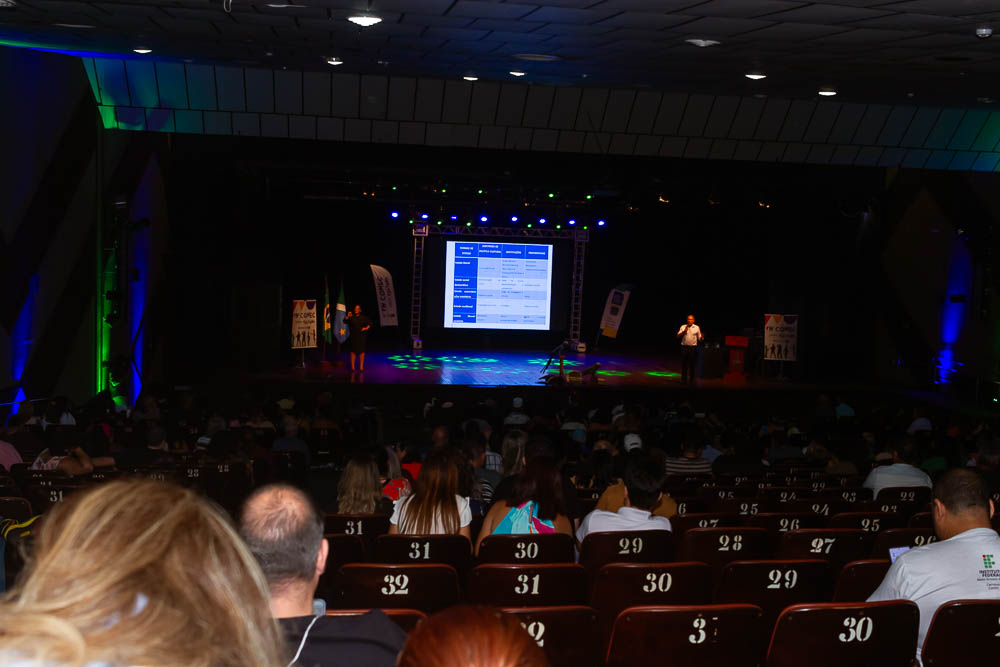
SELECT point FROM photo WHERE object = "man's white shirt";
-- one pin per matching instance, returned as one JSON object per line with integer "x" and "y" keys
{"x": 897, "y": 474}
{"x": 626, "y": 518}
{"x": 690, "y": 336}
{"x": 964, "y": 567}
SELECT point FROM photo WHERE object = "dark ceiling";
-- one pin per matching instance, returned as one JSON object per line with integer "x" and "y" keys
{"x": 868, "y": 50}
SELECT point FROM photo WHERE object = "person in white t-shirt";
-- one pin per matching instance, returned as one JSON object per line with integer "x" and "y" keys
{"x": 902, "y": 472}
{"x": 963, "y": 565}
{"x": 644, "y": 475}
{"x": 690, "y": 335}
{"x": 434, "y": 507}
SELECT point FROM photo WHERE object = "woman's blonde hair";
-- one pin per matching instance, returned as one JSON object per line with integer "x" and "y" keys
{"x": 359, "y": 489}
{"x": 137, "y": 572}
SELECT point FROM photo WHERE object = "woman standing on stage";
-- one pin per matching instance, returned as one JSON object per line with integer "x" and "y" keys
{"x": 359, "y": 324}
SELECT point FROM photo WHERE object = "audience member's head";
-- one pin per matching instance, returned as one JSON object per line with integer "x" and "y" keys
{"x": 136, "y": 572}
{"x": 290, "y": 425}
{"x": 989, "y": 453}
{"x": 284, "y": 531}
{"x": 388, "y": 462}
{"x": 467, "y": 636}
{"x": 475, "y": 449}
{"x": 961, "y": 502}
{"x": 359, "y": 488}
{"x": 538, "y": 446}
{"x": 512, "y": 452}
{"x": 439, "y": 437}
{"x": 905, "y": 450}
{"x": 541, "y": 483}
{"x": 433, "y": 496}
{"x": 645, "y": 472}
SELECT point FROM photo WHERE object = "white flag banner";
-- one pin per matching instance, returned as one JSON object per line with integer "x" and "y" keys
{"x": 781, "y": 337}
{"x": 614, "y": 309}
{"x": 386, "y": 296}
{"x": 303, "y": 323}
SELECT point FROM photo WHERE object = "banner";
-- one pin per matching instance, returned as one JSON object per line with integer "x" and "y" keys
{"x": 614, "y": 308}
{"x": 303, "y": 323}
{"x": 781, "y": 336}
{"x": 386, "y": 296}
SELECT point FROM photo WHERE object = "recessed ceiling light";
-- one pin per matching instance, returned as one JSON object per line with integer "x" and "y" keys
{"x": 702, "y": 43}
{"x": 516, "y": 73}
{"x": 79, "y": 26}
{"x": 143, "y": 50}
{"x": 755, "y": 76}
{"x": 7, "y": 4}
{"x": 537, "y": 57}
{"x": 334, "y": 61}
{"x": 471, "y": 78}
{"x": 364, "y": 20}
{"x": 827, "y": 92}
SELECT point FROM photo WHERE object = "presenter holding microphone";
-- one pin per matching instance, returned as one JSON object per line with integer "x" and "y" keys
{"x": 690, "y": 335}
{"x": 359, "y": 325}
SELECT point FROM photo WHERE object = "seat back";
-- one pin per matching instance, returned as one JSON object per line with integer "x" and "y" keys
{"x": 836, "y": 545}
{"x": 681, "y": 524}
{"x": 366, "y": 526}
{"x": 689, "y": 505}
{"x": 911, "y": 494}
{"x": 773, "y": 585}
{"x": 844, "y": 495}
{"x": 622, "y": 585}
{"x": 344, "y": 549}
{"x": 921, "y": 520}
{"x": 893, "y": 538}
{"x": 963, "y": 632}
{"x": 429, "y": 588}
{"x": 454, "y": 550}
{"x": 637, "y": 546}
{"x": 872, "y": 522}
{"x": 859, "y": 579}
{"x": 407, "y": 619}
{"x": 776, "y": 523}
{"x": 718, "y": 546}
{"x": 545, "y": 584}
{"x": 710, "y": 635}
{"x": 823, "y": 507}
{"x": 15, "y": 508}
{"x": 845, "y": 635}
{"x": 565, "y": 633}
{"x": 547, "y": 548}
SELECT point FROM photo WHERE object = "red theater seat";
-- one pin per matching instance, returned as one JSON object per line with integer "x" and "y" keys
{"x": 836, "y": 545}
{"x": 542, "y": 585}
{"x": 872, "y": 522}
{"x": 549, "y": 548}
{"x": 773, "y": 585}
{"x": 454, "y": 550}
{"x": 639, "y": 546}
{"x": 567, "y": 634}
{"x": 18, "y": 509}
{"x": 963, "y": 632}
{"x": 921, "y": 520}
{"x": 681, "y": 524}
{"x": 901, "y": 537}
{"x": 344, "y": 549}
{"x": 882, "y": 634}
{"x": 718, "y": 546}
{"x": 365, "y": 526}
{"x": 728, "y": 635}
{"x": 404, "y": 618}
{"x": 859, "y": 579}
{"x": 910, "y": 494}
{"x": 429, "y": 588}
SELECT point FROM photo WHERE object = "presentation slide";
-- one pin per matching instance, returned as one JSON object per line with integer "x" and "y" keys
{"x": 497, "y": 286}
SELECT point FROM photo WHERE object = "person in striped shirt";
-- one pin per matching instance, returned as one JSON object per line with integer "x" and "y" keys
{"x": 690, "y": 461}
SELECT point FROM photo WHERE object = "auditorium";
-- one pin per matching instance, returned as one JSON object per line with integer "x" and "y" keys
{"x": 499, "y": 333}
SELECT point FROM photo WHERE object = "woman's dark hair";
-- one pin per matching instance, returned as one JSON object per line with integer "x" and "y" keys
{"x": 541, "y": 483}
{"x": 603, "y": 464}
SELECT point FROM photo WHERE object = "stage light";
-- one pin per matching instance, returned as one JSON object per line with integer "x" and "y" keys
{"x": 827, "y": 92}
{"x": 411, "y": 222}
{"x": 142, "y": 50}
{"x": 755, "y": 76}
{"x": 424, "y": 216}
{"x": 479, "y": 192}
{"x": 334, "y": 61}
{"x": 394, "y": 188}
{"x": 529, "y": 225}
{"x": 590, "y": 196}
{"x": 483, "y": 219}
{"x": 516, "y": 73}
{"x": 513, "y": 218}
{"x": 470, "y": 78}
{"x": 454, "y": 217}
{"x": 585, "y": 228}
{"x": 558, "y": 226}
{"x": 541, "y": 221}
{"x": 364, "y": 21}
{"x": 551, "y": 195}
{"x": 600, "y": 223}
{"x": 572, "y": 222}
{"x": 439, "y": 222}
{"x": 468, "y": 224}
{"x": 394, "y": 214}
{"x": 443, "y": 190}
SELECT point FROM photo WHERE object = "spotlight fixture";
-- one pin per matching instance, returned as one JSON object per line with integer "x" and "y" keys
{"x": 143, "y": 50}
{"x": 541, "y": 221}
{"x": 516, "y": 73}
{"x": 364, "y": 20}
{"x": 572, "y": 222}
{"x": 827, "y": 92}
{"x": 334, "y": 61}
{"x": 470, "y": 78}
{"x": 513, "y": 218}
{"x": 483, "y": 218}
{"x": 424, "y": 216}
{"x": 394, "y": 214}
{"x": 600, "y": 223}
{"x": 76, "y": 26}
{"x": 702, "y": 43}
{"x": 454, "y": 217}
{"x": 7, "y": 4}
{"x": 984, "y": 32}
{"x": 755, "y": 76}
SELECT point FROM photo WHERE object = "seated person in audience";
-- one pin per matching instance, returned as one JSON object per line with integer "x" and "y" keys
{"x": 65, "y": 454}
{"x": 19, "y": 433}
{"x": 613, "y": 498}
{"x": 8, "y": 455}
{"x": 394, "y": 484}
{"x": 475, "y": 449}
{"x": 167, "y": 582}
{"x": 434, "y": 507}
{"x": 902, "y": 472}
{"x": 988, "y": 461}
{"x": 535, "y": 505}
{"x": 956, "y": 567}
{"x": 291, "y": 442}
{"x": 742, "y": 455}
{"x": 360, "y": 490}
{"x": 643, "y": 490}
{"x": 513, "y": 455}
{"x": 467, "y": 636}
{"x": 153, "y": 454}
{"x": 284, "y": 531}
{"x": 690, "y": 461}
{"x": 535, "y": 447}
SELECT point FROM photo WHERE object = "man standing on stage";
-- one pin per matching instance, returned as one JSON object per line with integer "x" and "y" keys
{"x": 690, "y": 335}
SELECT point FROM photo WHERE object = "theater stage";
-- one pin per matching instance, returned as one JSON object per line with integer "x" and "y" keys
{"x": 492, "y": 368}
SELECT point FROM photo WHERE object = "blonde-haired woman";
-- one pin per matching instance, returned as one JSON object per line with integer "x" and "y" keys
{"x": 359, "y": 490}
{"x": 137, "y": 572}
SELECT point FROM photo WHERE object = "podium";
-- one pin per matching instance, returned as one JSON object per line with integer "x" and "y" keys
{"x": 736, "y": 375}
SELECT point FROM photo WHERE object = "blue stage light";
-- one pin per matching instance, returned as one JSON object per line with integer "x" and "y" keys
{"x": 454, "y": 217}
{"x": 513, "y": 218}
{"x": 394, "y": 214}
{"x": 541, "y": 221}
{"x": 572, "y": 222}
{"x": 424, "y": 216}
{"x": 600, "y": 223}
{"x": 483, "y": 219}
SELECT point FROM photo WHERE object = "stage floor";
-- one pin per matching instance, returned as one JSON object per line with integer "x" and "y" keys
{"x": 481, "y": 368}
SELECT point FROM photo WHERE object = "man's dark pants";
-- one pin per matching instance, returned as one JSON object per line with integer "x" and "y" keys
{"x": 689, "y": 359}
